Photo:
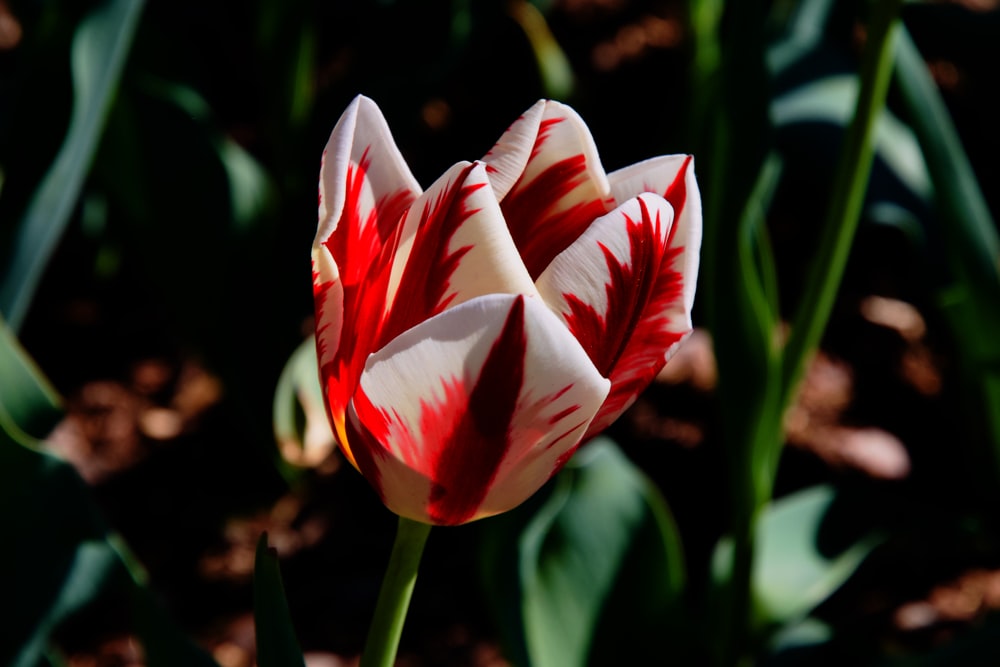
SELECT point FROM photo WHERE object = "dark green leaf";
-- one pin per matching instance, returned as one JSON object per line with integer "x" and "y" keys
{"x": 164, "y": 644}
{"x": 277, "y": 645}
{"x": 46, "y": 577}
{"x": 100, "y": 48}
{"x": 163, "y": 153}
{"x": 66, "y": 556}
{"x": 800, "y": 644}
{"x": 832, "y": 100}
{"x": 29, "y": 406}
{"x": 66, "y": 559}
{"x": 598, "y": 567}
{"x": 804, "y": 32}
{"x": 733, "y": 286}
{"x": 971, "y": 232}
{"x": 287, "y": 31}
{"x": 970, "y": 238}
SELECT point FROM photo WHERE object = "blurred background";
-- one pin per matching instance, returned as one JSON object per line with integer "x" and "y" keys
{"x": 158, "y": 170}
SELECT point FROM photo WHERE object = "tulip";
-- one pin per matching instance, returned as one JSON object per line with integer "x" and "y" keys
{"x": 470, "y": 337}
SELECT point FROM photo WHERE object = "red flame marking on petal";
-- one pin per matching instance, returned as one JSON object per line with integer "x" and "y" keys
{"x": 676, "y": 195}
{"x": 430, "y": 265}
{"x": 463, "y": 439}
{"x": 544, "y": 132}
{"x": 568, "y": 454}
{"x": 627, "y": 343}
{"x": 562, "y": 414}
{"x": 466, "y": 465}
{"x": 540, "y": 232}
{"x": 362, "y": 245}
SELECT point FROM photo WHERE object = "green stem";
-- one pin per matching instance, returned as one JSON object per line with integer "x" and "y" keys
{"x": 762, "y": 438}
{"x": 394, "y": 597}
{"x": 846, "y": 198}
{"x": 752, "y": 467}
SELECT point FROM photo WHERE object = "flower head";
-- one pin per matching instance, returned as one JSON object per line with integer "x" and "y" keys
{"x": 471, "y": 336}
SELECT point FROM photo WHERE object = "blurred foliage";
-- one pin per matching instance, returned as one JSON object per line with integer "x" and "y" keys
{"x": 99, "y": 50}
{"x": 160, "y": 160}
{"x": 593, "y": 565}
{"x": 66, "y": 558}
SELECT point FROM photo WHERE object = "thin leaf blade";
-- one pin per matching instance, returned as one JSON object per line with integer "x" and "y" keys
{"x": 277, "y": 645}
{"x": 100, "y": 49}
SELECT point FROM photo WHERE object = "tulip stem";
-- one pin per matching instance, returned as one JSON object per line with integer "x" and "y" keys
{"x": 847, "y": 196}
{"x": 394, "y": 597}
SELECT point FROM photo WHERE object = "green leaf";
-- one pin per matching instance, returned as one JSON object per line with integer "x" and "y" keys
{"x": 66, "y": 559}
{"x": 162, "y": 152}
{"x": 804, "y": 33}
{"x": 791, "y": 575}
{"x": 807, "y": 632}
{"x": 832, "y": 100}
{"x": 758, "y": 309}
{"x": 29, "y": 406}
{"x": 277, "y": 645}
{"x": 553, "y": 66}
{"x": 301, "y": 426}
{"x": 287, "y": 31}
{"x": 799, "y": 644}
{"x": 971, "y": 242}
{"x": 971, "y": 232}
{"x": 46, "y": 577}
{"x": 100, "y": 48}
{"x": 251, "y": 192}
{"x": 847, "y": 196}
{"x": 737, "y": 308}
{"x": 704, "y": 18}
{"x": 164, "y": 644}
{"x": 597, "y": 570}
{"x": 93, "y": 571}
{"x": 893, "y": 215}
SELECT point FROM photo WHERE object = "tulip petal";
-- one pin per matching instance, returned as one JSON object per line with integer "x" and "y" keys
{"x": 453, "y": 246}
{"x": 365, "y": 187}
{"x": 363, "y": 178}
{"x": 559, "y": 186}
{"x": 671, "y": 177}
{"x": 621, "y": 289}
{"x": 467, "y": 414}
{"x": 507, "y": 159}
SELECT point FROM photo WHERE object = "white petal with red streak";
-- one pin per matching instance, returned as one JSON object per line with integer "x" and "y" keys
{"x": 361, "y": 128}
{"x": 657, "y": 175}
{"x": 506, "y": 160}
{"x": 329, "y": 309}
{"x": 652, "y": 175}
{"x": 491, "y": 264}
{"x": 455, "y": 344}
{"x": 560, "y": 190}
{"x": 568, "y": 136}
{"x": 582, "y": 271}
{"x": 631, "y": 337}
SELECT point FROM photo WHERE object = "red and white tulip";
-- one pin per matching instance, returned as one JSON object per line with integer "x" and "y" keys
{"x": 470, "y": 337}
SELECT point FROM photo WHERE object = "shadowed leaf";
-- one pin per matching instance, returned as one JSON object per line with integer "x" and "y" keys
{"x": 599, "y": 567}
{"x": 276, "y": 642}
{"x": 100, "y": 48}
